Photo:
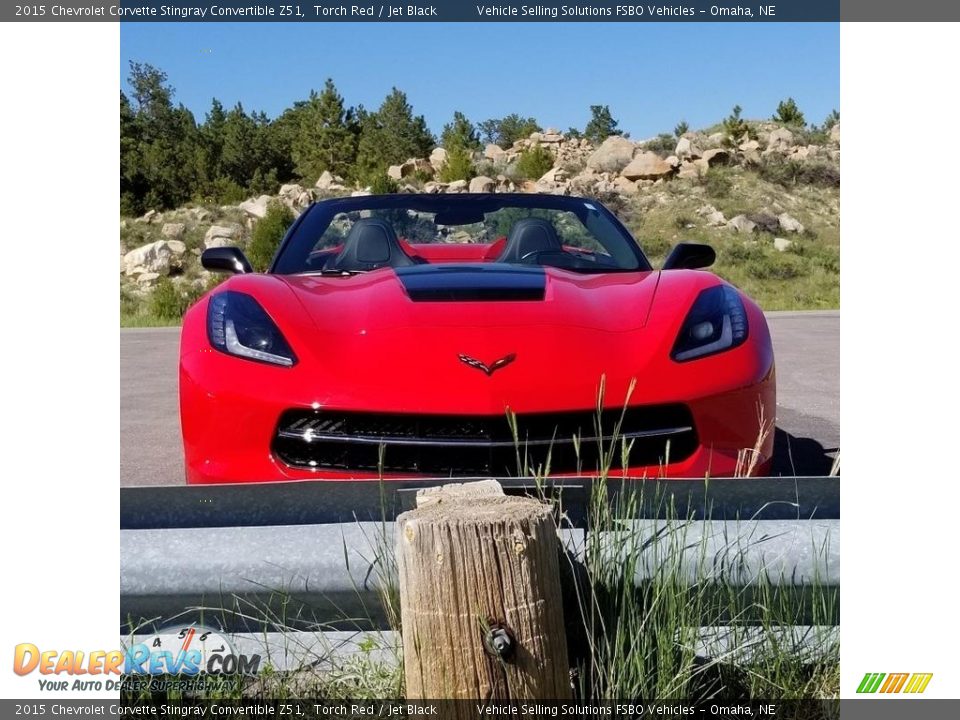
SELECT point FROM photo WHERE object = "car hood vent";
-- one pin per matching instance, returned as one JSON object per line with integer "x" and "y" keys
{"x": 474, "y": 282}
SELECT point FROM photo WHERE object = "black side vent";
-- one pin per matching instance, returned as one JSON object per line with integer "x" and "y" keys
{"x": 473, "y": 282}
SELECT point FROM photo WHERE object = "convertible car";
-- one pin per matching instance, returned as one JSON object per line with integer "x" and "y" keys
{"x": 471, "y": 335}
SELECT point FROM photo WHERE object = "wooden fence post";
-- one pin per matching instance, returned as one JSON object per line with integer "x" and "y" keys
{"x": 481, "y": 609}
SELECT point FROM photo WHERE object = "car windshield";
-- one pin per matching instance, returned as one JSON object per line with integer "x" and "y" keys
{"x": 367, "y": 233}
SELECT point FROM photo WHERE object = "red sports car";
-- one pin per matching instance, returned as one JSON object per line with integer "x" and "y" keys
{"x": 471, "y": 335}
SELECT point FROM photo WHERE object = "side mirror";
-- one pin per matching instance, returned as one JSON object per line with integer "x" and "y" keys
{"x": 690, "y": 256}
{"x": 225, "y": 259}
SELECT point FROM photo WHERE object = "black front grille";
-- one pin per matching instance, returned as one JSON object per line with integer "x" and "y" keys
{"x": 445, "y": 445}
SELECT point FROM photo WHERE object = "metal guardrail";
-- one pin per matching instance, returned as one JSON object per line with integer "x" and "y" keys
{"x": 309, "y": 555}
{"x": 326, "y": 502}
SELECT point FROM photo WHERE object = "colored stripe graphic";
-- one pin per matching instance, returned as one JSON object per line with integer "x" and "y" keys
{"x": 870, "y": 682}
{"x": 894, "y": 683}
{"x": 918, "y": 682}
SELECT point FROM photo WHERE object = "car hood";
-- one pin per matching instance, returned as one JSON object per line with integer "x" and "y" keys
{"x": 473, "y": 298}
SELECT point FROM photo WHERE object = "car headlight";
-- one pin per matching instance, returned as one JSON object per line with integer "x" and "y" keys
{"x": 237, "y": 325}
{"x": 716, "y": 322}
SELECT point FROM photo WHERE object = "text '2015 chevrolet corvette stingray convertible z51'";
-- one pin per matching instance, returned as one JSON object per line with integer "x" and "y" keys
{"x": 472, "y": 335}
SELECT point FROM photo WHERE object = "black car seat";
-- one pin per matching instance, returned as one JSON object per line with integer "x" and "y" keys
{"x": 370, "y": 244}
{"x": 528, "y": 237}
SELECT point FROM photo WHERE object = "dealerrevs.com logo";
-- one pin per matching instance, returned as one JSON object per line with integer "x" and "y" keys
{"x": 890, "y": 683}
{"x": 184, "y": 653}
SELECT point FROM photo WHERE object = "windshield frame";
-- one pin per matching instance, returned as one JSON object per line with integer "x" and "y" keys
{"x": 314, "y": 220}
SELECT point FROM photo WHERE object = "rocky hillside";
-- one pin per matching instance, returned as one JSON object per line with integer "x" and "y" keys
{"x": 768, "y": 201}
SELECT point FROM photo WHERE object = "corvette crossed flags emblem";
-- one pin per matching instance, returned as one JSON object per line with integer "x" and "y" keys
{"x": 492, "y": 367}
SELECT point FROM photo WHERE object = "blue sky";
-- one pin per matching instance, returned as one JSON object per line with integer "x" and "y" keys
{"x": 650, "y": 74}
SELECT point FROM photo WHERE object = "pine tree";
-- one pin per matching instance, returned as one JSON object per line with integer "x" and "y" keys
{"x": 789, "y": 114}
{"x": 390, "y": 136}
{"x": 326, "y": 138}
{"x": 602, "y": 124}
{"x": 460, "y": 133}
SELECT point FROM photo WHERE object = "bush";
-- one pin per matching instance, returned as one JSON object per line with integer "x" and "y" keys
{"x": 382, "y": 184}
{"x": 777, "y": 266}
{"x": 663, "y": 144}
{"x": 534, "y": 162}
{"x": 794, "y": 172}
{"x": 459, "y": 165}
{"x": 717, "y": 182}
{"x": 681, "y": 128}
{"x": 267, "y": 234}
{"x": 170, "y": 301}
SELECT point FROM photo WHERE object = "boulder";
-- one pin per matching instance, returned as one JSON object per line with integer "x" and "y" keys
{"x": 741, "y": 224}
{"x": 149, "y": 216}
{"x": 781, "y": 244}
{"x": 256, "y": 207}
{"x": 291, "y": 191}
{"x": 689, "y": 170}
{"x": 328, "y": 181}
{"x": 493, "y": 152}
{"x": 457, "y": 186}
{"x": 395, "y": 172}
{"x": 716, "y": 139}
{"x": 779, "y": 139}
{"x": 411, "y": 167}
{"x": 790, "y": 224}
{"x": 482, "y": 184}
{"x": 626, "y": 186}
{"x": 432, "y": 188}
{"x": 147, "y": 278}
{"x": 173, "y": 231}
{"x": 716, "y": 156}
{"x": 647, "y": 166}
{"x": 835, "y": 133}
{"x": 221, "y": 236}
{"x": 554, "y": 175}
{"x": 438, "y": 158}
{"x": 614, "y": 154}
{"x": 156, "y": 257}
{"x": 686, "y": 149}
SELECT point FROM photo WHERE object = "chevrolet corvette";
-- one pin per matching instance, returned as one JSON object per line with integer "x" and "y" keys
{"x": 464, "y": 335}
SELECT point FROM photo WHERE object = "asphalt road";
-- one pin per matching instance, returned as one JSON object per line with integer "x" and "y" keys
{"x": 807, "y": 347}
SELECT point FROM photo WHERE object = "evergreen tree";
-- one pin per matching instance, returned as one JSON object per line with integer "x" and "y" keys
{"x": 789, "y": 114}
{"x": 505, "y": 131}
{"x": 326, "y": 137}
{"x": 602, "y": 124}
{"x": 390, "y": 136}
{"x": 460, "y": 133}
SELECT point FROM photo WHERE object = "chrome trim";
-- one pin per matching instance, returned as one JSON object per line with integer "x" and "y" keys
{"x": 311, "y": 437}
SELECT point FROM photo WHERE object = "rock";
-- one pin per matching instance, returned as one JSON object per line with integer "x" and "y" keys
{"x": 716, "y": 156}
{"x": 457, "y": 186}
{"x": 750, "y": 145}
{"x": 438, "y": 158}
{"x": 764, "y": 222}
{"x": 149, "y": 216}
{"x": 781, "y": 244}
{"x": 411, "y": 167}
{"x": 712, "y": 216}
{"x": 493, "y": 152}
{"x": 716, "y": 139}
{"x": 147, "y": 278}
{"x": 221, "y": 236}
{"x": 177, "y": 247}
{"x": 741, "y": 224}
{"x": 256, "y": 208}
{"x": 173, "y": 231}
{"x": 689, "y": 170}
{"x": 790, "y": 224}
{"x": 292, "y": 191}
{"x": 835, "y": 133}
{"x": 626, "y": 186}
{"x": 686, "y": 149}
{"x": 156, "y": 257}
{"x": 672, "y": 160}
{"x": 614, "y": 154}
{"x": 482, "y": 184}
{"x": 362, "y": 193}
{"x": 432, "y": 188}
{"x": 551, "y": 137}
{"x": 554, "y": 175}
{"x": 647, "y": 166}
{"x": 395, "y": 172}
{"x": 781, "y": 138}
{"x": 328, "y": 181}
